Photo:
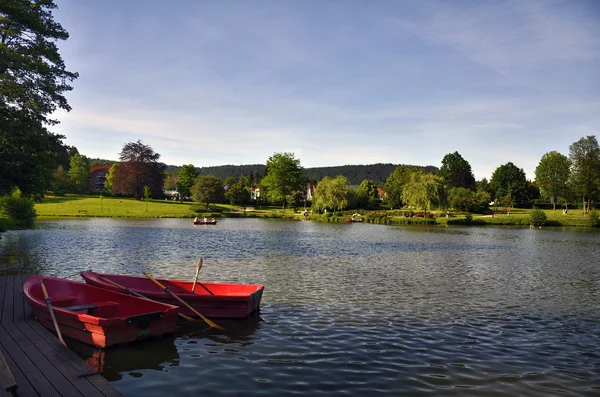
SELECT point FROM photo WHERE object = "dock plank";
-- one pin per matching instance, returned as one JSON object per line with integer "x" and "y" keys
{"x": 41, "y": 365}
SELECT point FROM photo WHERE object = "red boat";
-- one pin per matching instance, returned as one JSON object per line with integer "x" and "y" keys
{"x": 97, "y": 316}
{"x": 216, "y": 300}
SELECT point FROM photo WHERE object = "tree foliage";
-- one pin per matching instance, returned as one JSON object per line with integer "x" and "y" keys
{"x": 139, "y": 168}
{"x": 170, "y": 181}
{"x": 456, "y": 172}
{"x": 463, "y": 199}
{"x": 60, "y": 183}
{"x": 423, "y": 190}
{"x": 395, "y": 184}
{"x": 366, "y": 195}
{"x": 238, "y": 192}
{"x": 552, "y": 176}
{"x": 508, "y": 179}
{"x": 186, "y": 179}
{"x": 585, "y": 169}
{"x": 33, "y": 80}
{"x": 207, "y": 189}
{"x": 284, "y": 176}
{"x": 79, "y": 173}
{"x": 331, "y": 194}
{"x": 20, "y": 210}
{"x": 108, "y": 182}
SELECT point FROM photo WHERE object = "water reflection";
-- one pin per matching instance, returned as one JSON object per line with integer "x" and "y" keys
{"x": 154, "y": 354}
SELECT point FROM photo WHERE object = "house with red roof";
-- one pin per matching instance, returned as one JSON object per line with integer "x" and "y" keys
{"x": 98, "y": 176}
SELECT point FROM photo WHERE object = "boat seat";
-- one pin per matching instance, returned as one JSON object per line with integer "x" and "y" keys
{"x": 105, "y": 309}
{"x": 81, "y": 307}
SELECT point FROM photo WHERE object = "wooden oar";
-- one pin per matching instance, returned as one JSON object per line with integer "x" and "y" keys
{"x": 167, "y": 290}
{"x": 130, "y": 291}
{"x": 51, "y": 310}
{"x": 198, "y": 267}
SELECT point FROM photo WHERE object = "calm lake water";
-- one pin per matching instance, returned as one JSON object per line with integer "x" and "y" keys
{"x": 351, "y": 309}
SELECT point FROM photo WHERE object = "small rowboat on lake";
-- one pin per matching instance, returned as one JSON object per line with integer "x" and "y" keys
{"x": 218, "y": 300}
{"x": 97, "y": 316}
{"x": 203, "y": 222}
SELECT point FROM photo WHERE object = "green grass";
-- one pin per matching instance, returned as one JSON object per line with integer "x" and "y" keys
{"x": 114, "y": 207}
{"x": 119, "y": 207}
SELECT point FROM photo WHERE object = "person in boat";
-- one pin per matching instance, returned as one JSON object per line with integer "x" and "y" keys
{"x": 212, "y": 220}
{"x": 205, "y": 219}
{"x": 195, "y": 219}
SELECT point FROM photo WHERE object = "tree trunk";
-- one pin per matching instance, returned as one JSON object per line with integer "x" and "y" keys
{"x": 584, "y": 206}
{"x": 553, "y": 204}
{"x": 588, "y": 204}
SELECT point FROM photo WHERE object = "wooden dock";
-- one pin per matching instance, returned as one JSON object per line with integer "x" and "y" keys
{"x": 39, "y": 363}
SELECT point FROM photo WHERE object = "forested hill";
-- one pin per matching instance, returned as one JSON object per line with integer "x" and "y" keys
{"x": 358, "y": 173}
{"x": 355, "y": 173}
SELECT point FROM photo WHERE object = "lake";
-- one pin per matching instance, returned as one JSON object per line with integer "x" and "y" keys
{"x": 350, "y": 309}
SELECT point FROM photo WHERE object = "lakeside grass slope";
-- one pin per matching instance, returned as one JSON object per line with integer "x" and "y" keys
{"x": 111, "y": 207}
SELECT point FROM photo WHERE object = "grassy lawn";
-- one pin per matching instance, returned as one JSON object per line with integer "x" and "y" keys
{"x": 120, "y": 207}
{"x": 114, "y": 207}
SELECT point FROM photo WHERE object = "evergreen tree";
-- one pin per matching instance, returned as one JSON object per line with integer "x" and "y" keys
{"x": 33, "y": 80}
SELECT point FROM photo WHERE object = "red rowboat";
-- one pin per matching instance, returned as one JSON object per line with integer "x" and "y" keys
{"x": 203, "y": 222}
{"x": 210, "y": 299}
{"x": 97, "y": 316}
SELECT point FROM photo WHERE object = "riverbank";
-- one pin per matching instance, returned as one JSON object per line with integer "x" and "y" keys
{"x": 116, "y": 207}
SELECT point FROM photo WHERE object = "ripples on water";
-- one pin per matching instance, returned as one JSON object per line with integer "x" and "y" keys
{"x": 353, "y": 309}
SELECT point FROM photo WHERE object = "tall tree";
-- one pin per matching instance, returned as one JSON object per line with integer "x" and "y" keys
{"x": 170, "y": 181}
{"x": 395, "y": 183}
{"x": 139, "y": 168}
{"x": 456, "y": 172}
{"x": 33, "y": 80}
{"x": 366, "y": 194}
{"x": 60, "y": 181}
{"x": 508, "y": 179}
{"x": 186, "y": 179}
{"x": 552, "y": 175}
{"x": 423, "y": 190}
{"x": 585, "y": 169}
{"x": 79, "y": 173}
{"x": 207, "y": 189}
{"x": 284, "y": 176}
{"x": 331, "y": 193}
{"x": 238, "y": 193}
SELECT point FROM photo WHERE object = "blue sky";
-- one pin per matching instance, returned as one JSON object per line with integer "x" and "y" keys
{"x": 335, "y": 82}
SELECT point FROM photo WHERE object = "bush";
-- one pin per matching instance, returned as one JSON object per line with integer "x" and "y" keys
{"x": 20, "y": 210}
{"x": 468, "y": 217}
{"x": 537, "y": 217}
{"x": 594, "y": 219}
{"x": 6, "y": 224}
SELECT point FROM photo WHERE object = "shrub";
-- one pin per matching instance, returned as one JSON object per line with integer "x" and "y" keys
{"x": 468, "y": 217}
{"x": 594, "y": 219}
{"x": 5, "y": 224}
{"x": 537, "y": 217}
{"x": 20, "y": 210}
